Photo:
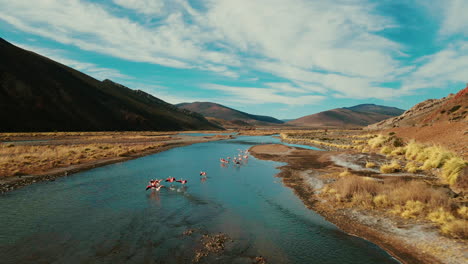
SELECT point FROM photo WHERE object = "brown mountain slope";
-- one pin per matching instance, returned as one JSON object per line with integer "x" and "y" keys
{"x": 453, "y": 108}
{"x": 355, "y": 116}
{"x": 436, "y": 121}
{"x": 39, "y": 94}
{"x": 208, "y": 109}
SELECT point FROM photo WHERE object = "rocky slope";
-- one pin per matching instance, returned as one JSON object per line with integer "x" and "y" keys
{"x": 453, "y": 108}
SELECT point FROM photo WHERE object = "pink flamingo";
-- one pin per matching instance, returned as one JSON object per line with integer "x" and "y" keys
{"x": 170, "y": 179}
{"x": 154, "y": 187}
{"x": 182, "y": 181}
{"x": 202, "y": 173}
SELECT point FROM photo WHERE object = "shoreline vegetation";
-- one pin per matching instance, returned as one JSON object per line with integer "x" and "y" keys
{"x": 407, "y": 197}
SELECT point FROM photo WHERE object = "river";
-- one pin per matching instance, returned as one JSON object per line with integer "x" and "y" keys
{"x": 104, "y": 215}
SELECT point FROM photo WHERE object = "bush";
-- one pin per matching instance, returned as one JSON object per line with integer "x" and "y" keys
{"x": 381, "y": 200}
{"x": 463, "y": 212}
{"x": 440, "y": 216}
{"x": 377, "y": 141}
{"x": 411, "y": 167}
{"x": 457, "y": 229}
{"x": 390, "y": 168}
{"x": 370, "y": 164}
{"x": 452, "y": 169}
{"x": 398, "y": 151}
{"x": 386, "y": 150}
{"x": 413, "y": 149}
{"x": 436, "y": 157}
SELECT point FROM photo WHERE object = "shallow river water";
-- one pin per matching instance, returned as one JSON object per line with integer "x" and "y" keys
{"x": 104, "y": 215}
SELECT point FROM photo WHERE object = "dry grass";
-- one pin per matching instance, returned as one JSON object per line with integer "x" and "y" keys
{"x": 440, "y": 216}
{"x": 452, "y": 168}
{"x": 370, "y": 164}
{"x": 411, "y": 167}
{"x": 345, "y": 173}
{"x": 456, "y": 228}
{"x": 26, "y": 159}
{"x": 394, "y": 166}
{"x": 405, "y": 199}
{"x": 378, "y": 141}
{"x": 386, "y": 150}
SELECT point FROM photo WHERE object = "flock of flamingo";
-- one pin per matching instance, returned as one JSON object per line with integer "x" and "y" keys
{"x": 242, "y": 157}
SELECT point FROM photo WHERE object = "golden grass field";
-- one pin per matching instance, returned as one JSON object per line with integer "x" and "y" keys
{"x": 416, "y": 199}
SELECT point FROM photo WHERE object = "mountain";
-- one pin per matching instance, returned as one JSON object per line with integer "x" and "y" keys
{"x": 453, "y": 108}
{"x": 356, "y": 116}
{"x": 208, "y": 109}
{"x": 39, "y": 94}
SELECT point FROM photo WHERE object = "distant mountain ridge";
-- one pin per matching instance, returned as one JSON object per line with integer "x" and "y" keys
{"x": 355, "y": 116}
{"x": 209, "y": 109}
{"x": 39, "y": 94}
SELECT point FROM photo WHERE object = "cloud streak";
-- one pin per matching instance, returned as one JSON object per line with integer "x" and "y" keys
{"x": 316, "y": 48}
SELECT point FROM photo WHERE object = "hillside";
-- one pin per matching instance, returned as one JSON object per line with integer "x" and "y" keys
{"x": 451, "y": 108}
{"x": 208, "y": 109}
{"x": 39, "y": 94}
{"x": 435, "y": 121}
{"x": 356, "y": 116}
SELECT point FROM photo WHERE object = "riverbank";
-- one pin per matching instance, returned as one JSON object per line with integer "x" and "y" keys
{"x": 27, "y": 158}
{"x": 309, "y": 172}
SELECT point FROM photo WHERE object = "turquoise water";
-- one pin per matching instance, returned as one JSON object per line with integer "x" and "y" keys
{"x": 105, "y": 215}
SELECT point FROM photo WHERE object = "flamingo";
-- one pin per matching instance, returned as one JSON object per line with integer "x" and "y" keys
{"x": 182, "y": 181}
{"x": 202, "y": 173}
{"x": 170, "y": 179}
{"x": 157, "y": 188}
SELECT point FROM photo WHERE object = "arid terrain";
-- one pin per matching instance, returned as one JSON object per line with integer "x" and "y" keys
{"x": 377, "y": 187}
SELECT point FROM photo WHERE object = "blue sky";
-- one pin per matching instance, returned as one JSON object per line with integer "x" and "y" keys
{"x": 284, "y": 58}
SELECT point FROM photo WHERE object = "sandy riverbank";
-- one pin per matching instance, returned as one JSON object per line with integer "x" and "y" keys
{"x": 409, "y": 241}
{"x": 135, "y": 144}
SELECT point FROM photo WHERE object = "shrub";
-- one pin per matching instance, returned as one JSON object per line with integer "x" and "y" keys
{"x": 370, "y": 164}
{"x": 377, "y": 141}
{"x": 411, "y": 167}
{"x": 440, "y": 216}
{"x": 452, "y": 169}
{"x": 381, "y": 200}
{"x": 386, "y": 150}
{"x": 413, "y": 149}
{"x": 436, "y": 157}
{"x": 390, "y": 168}
{"x": 411, "y": 209}
{"x": 456, "y": 228}
{"x": 398, "y": 151}
{"x": 463, "y": 212}
{"x": 363, "y": 199}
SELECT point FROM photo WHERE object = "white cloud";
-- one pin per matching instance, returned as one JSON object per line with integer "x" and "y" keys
{"x": 94, "y": 70}
{"x": 147, "y": 7}
{"x": 455, "y": 20}
{"x": 440, "y": 69}
{"x": 254, "y": 95}
{"x": 331, "y": 48}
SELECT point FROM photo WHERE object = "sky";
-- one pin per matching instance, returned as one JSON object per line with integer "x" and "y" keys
{"x": 283, "y": 58}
